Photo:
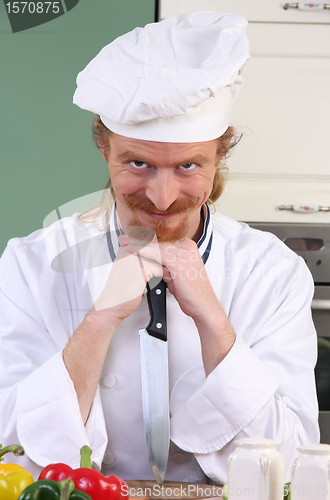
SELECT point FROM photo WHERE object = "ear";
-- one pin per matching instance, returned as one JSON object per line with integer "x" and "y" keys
{"x": 102, "y": 152}
{"x": 230, "y": 136}
{"x": 102, "y": 147}
{"x": 224, "y": 143}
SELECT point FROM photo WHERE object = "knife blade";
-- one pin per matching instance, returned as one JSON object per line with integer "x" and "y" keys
{"x": 155, "y": 385}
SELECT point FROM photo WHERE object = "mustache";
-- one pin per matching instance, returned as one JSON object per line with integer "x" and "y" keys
{"x": 138, "y": 202}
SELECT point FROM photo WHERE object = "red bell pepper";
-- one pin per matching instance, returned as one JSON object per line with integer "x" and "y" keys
{"x": 92, "y": 482}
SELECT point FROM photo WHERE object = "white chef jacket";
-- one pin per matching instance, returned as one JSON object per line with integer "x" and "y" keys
{"x": 264, "y": 386}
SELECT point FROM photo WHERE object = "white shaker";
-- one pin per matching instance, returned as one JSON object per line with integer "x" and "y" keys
{"x": 310, "y": 477}
{"x": 255, "y": 470}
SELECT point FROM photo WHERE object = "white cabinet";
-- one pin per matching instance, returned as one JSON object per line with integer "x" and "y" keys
{"x": 272, "y": 11}
{"x": 283, "y": 112}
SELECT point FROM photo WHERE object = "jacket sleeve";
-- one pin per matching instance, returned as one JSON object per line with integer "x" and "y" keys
{"x": 34, "y": 384}
{"x": 265, "y": 385}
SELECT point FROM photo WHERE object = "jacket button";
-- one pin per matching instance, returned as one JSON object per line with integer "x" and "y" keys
{"x": 108, "y": 458}
{"x": 179, "y": 458}
{"x": 109, "y": 380}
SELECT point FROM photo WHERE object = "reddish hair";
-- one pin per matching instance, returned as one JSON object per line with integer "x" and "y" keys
{"x": 101, "y": 136}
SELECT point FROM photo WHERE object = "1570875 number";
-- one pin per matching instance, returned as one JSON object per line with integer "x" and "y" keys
{"x": 314, "y": 490}
{"x": 33, "y": 7}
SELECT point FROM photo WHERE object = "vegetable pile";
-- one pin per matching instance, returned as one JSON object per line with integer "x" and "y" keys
{"x": 58, "y": 481}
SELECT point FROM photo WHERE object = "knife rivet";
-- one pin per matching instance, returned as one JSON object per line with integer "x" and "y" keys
{"x": 158, "y": 291}
{"x": 159, "y": 325}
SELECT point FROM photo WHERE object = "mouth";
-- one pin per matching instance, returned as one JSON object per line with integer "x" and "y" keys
{"x": 160, "y": 216}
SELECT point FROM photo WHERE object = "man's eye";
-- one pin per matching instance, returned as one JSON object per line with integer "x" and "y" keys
{"x": 138, "y": 164}
{"x": 188, "y": 166}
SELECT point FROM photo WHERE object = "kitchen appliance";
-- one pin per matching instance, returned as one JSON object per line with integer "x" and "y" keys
{"x": 312, "y": 243}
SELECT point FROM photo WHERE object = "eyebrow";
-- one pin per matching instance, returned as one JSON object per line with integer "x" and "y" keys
{"x": 200, "y": 159}
{"x": 127, "y": 154}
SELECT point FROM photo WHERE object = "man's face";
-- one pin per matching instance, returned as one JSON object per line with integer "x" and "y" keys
{"x": 162, "y": 185}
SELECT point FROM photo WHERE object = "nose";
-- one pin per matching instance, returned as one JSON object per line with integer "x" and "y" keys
{"x": 163, "y": 189}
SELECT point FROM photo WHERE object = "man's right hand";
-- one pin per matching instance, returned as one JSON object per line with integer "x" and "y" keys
{"x": 85, "y": 353}
{"x": 125, "y": 285}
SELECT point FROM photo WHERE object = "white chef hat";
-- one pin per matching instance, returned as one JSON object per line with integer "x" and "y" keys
{"x": 172, "y": 81}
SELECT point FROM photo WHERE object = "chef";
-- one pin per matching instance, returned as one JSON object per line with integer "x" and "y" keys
{"x": 242, "y": 346}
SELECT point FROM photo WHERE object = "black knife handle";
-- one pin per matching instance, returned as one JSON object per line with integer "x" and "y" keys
{"x": 156, "y": 296}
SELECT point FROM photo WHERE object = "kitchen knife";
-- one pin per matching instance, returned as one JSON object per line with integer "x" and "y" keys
{"x": 154, "y": 372}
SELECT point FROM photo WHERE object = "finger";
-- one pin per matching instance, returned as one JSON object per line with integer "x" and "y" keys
{"x": 150, "y": 268}
{"x": 149, "y": 252}
{"x": 139, "y": 235}
{"x": 135, "y": 246}
{"x": 122, "y": 239}
{"x": 167, "y": 276}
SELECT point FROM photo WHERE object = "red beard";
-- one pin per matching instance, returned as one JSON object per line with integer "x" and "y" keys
{"x": 163, "y": 232}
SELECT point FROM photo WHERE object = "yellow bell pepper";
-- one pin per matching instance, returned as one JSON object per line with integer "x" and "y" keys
{"x": 13, "y": 478}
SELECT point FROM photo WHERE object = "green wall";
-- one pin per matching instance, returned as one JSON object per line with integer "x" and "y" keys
{"x": 47, "y": 157}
